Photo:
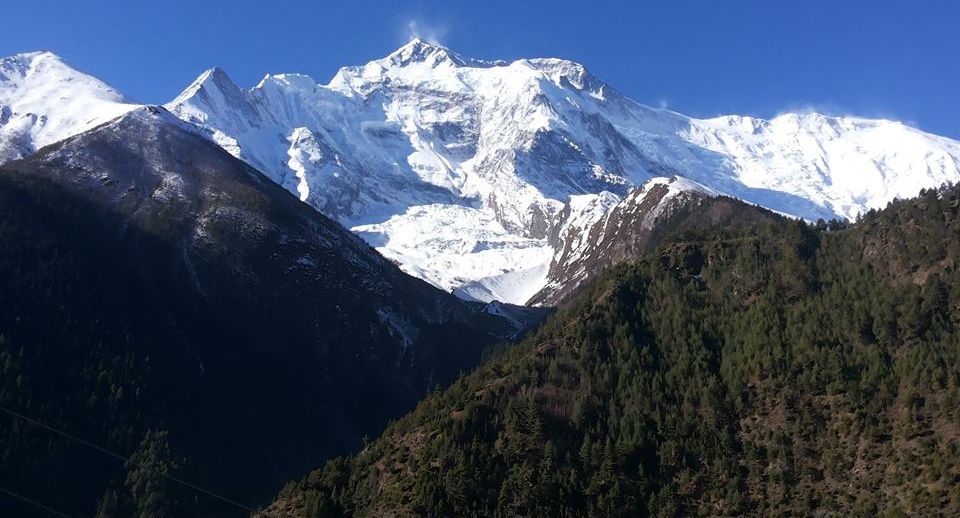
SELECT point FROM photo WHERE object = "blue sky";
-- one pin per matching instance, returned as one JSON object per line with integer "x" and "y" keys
{"x": 879, "y": 58}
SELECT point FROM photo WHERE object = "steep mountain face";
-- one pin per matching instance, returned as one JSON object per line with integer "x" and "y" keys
{"x": 593, "y": 240}
{"x": 152, "y": 282}
{"x": 784, "y": 370}
{"x": 460, "y": 170}
{"x": 43, "y": 100}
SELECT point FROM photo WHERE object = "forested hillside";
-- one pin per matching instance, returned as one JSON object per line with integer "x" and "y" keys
{"x": 161, "y": 300}
{"x": 797, "y": 369}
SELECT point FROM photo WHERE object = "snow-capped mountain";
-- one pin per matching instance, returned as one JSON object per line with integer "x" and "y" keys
{"x": 466, "y": 172}
{"x": 43, "y": 100}
{"x": 461, "y": 169}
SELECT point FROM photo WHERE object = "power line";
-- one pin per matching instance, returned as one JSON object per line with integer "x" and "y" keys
{"x": 65, "y": 434}
{"x": 33, "y": 503}
{"x": 210, "y": 493}
{"x": 115, "y": 455}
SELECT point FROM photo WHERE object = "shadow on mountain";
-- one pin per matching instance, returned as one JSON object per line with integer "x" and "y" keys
{"x": 151, "y": 282}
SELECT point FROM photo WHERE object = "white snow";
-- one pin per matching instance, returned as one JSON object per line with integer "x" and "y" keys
{"x": 460, "y": 169}
{"x": 43, "y": 100}
{"x": 464, "y": 249}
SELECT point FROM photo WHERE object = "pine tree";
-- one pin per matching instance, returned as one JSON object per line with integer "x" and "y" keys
{"x": 148, "y": 477}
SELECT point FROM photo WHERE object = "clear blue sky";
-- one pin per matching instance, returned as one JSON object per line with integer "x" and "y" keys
{"x": 879, "y": 58}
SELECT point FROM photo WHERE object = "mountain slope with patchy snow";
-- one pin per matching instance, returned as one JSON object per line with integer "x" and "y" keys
{"x": 624, "y": 230}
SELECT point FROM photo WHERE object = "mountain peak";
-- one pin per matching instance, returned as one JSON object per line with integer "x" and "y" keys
{"x": 19, "y": 65}
{"x": 213, "y": 85}
{"x": 35, "y": 74}
{"x": 214, "y": 74}
{"x": 43, "y": 99}
{"x": 564, "y": 70}
{"x": 212, "y": 77}
{"x": 409, "y": 61}
{"x": 420, "y": 51}
{"x": 29, "y": 57}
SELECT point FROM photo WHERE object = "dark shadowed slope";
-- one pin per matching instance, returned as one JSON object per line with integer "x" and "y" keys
{"x": 150, "y": 282}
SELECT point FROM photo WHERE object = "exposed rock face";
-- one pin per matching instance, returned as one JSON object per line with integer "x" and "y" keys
{"x": 600, "y": 237}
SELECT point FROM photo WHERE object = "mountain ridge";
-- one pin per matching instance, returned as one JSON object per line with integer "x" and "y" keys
{"x": 399, "y": 148}
{"x": 518, "y": 148}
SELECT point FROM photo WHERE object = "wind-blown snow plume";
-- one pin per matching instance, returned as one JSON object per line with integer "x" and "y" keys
{"x": 417, "y": 29}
